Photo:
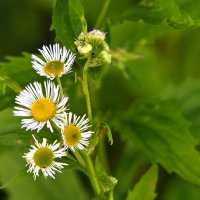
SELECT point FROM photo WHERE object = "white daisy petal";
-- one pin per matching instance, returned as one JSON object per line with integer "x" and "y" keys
{"x": 47, "y": 166}
{"x": 75, "y": 133}
{"x": 60, "y": 58}
{"x": 39, "y": 110}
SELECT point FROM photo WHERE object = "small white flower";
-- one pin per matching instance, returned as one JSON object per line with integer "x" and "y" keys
{"x": 75, "y": 132}
{"x": 40, "y": 109}
{"x": 58, "y": 61}
{"x": 41, "y": 157}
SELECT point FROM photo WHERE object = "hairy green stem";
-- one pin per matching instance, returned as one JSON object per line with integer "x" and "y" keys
{"x": 111, "y": 195}
{"x": 88, "y": 161}
{"x": 60, "y": 86}
{"x": 85, "y": 160}
{"x": 86, "y": 90}
{"x": 91, "y": 173}
{"x": 103, "y": 13}
{"x": 80, "y": 159}
{"x": 102, "y": 154}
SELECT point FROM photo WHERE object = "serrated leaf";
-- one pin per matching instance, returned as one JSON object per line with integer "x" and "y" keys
{"x": 68, "y": 21}
{"x": 164, "y": 136}
{"x": 145, "y": 188}
{"x": 149, "y": 15}
{"x": 106, "y": 182}
{"x": 182, "y": 20}
{"x": 155, "y": 15}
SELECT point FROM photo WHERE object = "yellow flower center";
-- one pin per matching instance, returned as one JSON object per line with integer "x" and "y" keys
{"x": 43, "y": 157}
{"x": 72, "y": 135}
{"x": 54, "y": 67}
{"x": 43, "y": 109}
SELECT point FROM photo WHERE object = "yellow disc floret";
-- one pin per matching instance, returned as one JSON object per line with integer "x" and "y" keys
{"x": 43, "y": 157}
{"x": 72, "y": 135}
{"x": 54, "y": 67}
{"x": 43, "y": 109}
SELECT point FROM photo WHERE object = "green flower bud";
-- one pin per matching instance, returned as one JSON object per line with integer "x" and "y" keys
{"x": 92, "y": 45}
{"x": 84, "y": 50}
{"x": 105, "y": 57}
{"x": 95, "y": 35}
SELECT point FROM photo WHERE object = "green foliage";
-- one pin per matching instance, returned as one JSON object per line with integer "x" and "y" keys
{"x": 177, "y": 189}
{"x": 163, "y": 135}
{"x": 105, "y": 128}
{"x": 68, "y": 21}
{"x": 159, "y": 13}
{"x": 106, "y": 182}
{"x": 24, "y": 185}
{"x": 187, "y": 96}
{"x": 145, "y": 188}
{"x": 155, "y": 53}
{"x": 13, "y": 73}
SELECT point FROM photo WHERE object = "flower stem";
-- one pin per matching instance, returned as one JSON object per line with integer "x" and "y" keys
{"x": 86, "y": 90}
{"x": 102, "y": 14}
{"x": 91, "y": 173}
{"x": 80, "y": 159}
{"x": 111, "y": 195}
{"x": 88, "y": 161}
{"x": 60, "y": 85}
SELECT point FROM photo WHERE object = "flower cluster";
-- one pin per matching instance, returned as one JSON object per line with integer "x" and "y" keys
{"x": 93, "y": 46}
{"x": 43, "y": 105}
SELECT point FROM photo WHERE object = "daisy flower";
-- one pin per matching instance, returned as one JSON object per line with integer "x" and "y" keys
{"x": 38, "y": 108}
{"x": 58, "y": 61}
{"x": 75, "y": 132}
{"x": 41, "y": 157}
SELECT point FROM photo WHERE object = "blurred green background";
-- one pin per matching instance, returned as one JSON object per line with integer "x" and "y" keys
{"x": 148, "y": 61}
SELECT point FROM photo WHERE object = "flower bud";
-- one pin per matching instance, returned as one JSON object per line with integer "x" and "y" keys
{"x": 105, "y": 57}
{"x": 95, "y": 35}
{"x": 84, "y": 50}
{"x": 94, "y": 47}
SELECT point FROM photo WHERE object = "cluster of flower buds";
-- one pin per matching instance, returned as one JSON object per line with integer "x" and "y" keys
{"x": 94, "y": 47}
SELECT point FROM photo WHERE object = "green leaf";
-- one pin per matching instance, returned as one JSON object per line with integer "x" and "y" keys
{"x": 108, "y": 131}
{"x": 7, "y": 81}
{"x": 14, "y": 71}
{"x": 106, "y": 182}
{"x": 61, "y": 23}
{"x": 68, "y": 21}
{"x": 67, "y": 181}
{"x": 16, "y": 179}
{"x": 77, "y": 17}
{"x": 182, "y": 20}
{"x": 163, "y": 134}
{"x": 23, "y": 138}
{"x": 11, "y": 134}
{"x": 145, "y": 188}
{"x": 187, "y": 96}
{"x": 155, "y": 15}
{"x": 149, "y": 15}
{"x": 16, "y": 64}
{"x": 177, "y": 189}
